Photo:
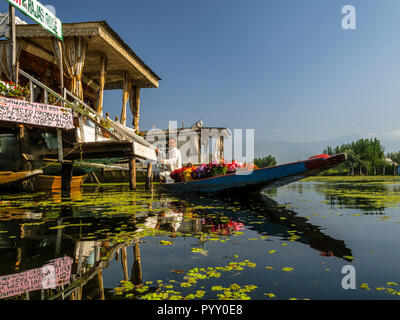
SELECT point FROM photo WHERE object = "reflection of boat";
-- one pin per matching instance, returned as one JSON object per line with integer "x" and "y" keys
{"x": 44, "y": 182}
{"x": 287, "y": 219}
{"x": 257, "y": 180}
{"x": 10, "y": 213}
{"x": 10, "y": 177}
{"x": 279, "y": 220}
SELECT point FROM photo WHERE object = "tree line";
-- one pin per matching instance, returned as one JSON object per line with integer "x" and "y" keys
{"x": 365, "y": 157}
{"x": 268, "y": 161}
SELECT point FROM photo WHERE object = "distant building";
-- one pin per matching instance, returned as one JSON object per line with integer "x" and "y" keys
{"x": 388, "y": 160}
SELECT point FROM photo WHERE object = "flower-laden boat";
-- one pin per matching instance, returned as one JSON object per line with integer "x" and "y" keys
{"x": 236, "y": 177}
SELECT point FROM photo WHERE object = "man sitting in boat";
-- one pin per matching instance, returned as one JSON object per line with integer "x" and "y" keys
{"x": 172, "y": 163}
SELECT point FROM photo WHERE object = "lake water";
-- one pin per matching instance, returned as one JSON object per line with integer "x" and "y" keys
{"x": 287, "y": 243}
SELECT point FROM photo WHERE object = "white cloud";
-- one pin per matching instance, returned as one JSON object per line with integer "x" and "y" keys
{"x": 394, "y": 133}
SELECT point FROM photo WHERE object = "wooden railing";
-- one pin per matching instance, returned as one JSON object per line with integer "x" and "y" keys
{"x": 114, "y": 129}
{"x": 121, "y": 131}
{"x": 81, "y": 109}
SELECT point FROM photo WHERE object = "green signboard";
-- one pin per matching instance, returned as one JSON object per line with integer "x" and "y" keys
{"x": 43, "y": 16}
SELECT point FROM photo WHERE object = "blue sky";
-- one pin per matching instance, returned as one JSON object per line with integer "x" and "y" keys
{"x": 284, "y": 68}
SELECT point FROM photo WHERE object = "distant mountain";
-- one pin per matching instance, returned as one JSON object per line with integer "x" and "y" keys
{"x": 284, "y": 151}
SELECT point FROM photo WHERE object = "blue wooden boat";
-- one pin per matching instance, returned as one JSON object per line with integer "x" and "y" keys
{"x": 257, "y": 180}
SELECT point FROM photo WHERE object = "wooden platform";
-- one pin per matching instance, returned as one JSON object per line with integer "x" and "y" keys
{"x": 103, "y": 150}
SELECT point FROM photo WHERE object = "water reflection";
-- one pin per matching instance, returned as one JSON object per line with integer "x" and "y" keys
{"x": 92, "y": 228}
{"x": 280, "y": 221}
{"x": 368, "y": 197}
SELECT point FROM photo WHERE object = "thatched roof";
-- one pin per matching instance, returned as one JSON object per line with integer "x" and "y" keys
{"x": 102, "y": 39}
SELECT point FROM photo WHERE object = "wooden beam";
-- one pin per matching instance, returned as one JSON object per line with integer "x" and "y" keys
{"x": 132, "y": 172}
{"x": 102, "y": 82}
{"x": 136, "y": 110}
{"x": 30, "y": 157}
{"x": 13, "y": 43}
{"x": 149, "y": 173}
{"x": 95, "y": 178}
{"x": 101, "y": 285}
{"x": 124, "y": 262}
{"x": 126, "y": 92}
{"x": 60, "y": 146}
{"x": 61, "y": 66}
{"x": 58, "y": 55}
{"x": 26, "y": 164}
{"x": 136, "y": 275}
{"x": 38, "y": 51}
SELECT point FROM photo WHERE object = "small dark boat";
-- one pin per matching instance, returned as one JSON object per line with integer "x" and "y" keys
{"x": 259, "y": 179}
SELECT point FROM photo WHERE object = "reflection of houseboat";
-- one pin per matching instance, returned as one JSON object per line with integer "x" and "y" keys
{"x": 68, "y": 79}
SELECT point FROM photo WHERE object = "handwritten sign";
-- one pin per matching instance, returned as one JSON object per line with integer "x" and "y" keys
{"x": 21, "y": 111}
{"x": 52, "y": 275}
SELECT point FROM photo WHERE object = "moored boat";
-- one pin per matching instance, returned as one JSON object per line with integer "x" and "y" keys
{"x": 7, "y": 177}
{"x": 257, "y": 180}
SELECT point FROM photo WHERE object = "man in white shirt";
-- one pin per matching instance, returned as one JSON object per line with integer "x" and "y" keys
{"x": 173, "y": 162}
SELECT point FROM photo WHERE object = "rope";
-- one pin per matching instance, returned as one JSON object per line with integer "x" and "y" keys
{"x": 54, "y": 162}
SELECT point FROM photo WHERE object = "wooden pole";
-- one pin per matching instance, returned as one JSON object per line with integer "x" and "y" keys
{"x": 66, "y": 176}
{"x": 13, "y": 42}
{"x": 126, "y": 92}
{"x": 96, "y": 179}
{"x": 26, "y": 165}
{"x": 124, "y": 262}
{"x": 58, "y": 238}
{"x": 132, "y": 172}
{"x": 149, "y": 175}
{"x": 103, "y": 67}
{"x": 60, "y": 146}
{"x": 61, "y": 68}
{"x": 100, "y": 277}
{"x": 136, "y": 276}
{"x": 136, "y": 107}
{"x": 60, "y": 59}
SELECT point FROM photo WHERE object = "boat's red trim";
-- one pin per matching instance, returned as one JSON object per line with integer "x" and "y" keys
{"x": 322, "y": 161}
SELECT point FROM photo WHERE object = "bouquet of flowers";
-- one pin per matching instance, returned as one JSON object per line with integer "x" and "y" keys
{"x": 10, "y": 89}
{"x": 139, "y": 133}
{"x": 187, "y": 174}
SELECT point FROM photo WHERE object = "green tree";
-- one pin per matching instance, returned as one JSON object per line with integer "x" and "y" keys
{"x": 363, "y": 156}
{"x": 268, "y": 161}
